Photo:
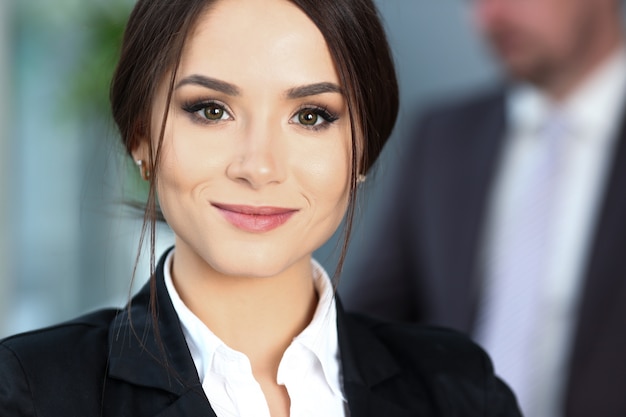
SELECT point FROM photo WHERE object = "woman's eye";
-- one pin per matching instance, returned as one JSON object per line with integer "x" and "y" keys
{"x": 308, "y": 118}
{"x": 213, "y": 112}
{"x": 314, "y": 117}
{"x": 208, "y": 111}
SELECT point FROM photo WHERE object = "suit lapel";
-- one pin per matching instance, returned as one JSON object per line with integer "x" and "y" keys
{"x": 466, "y": 148}
{"x": 363, "y": 402}
{"x": 366, "y": 363}
{"x": 604, "y": 285}
{"x": 138, "y": 357}
{"x": 190, "y": 404}
{"x": 474, "y": 202}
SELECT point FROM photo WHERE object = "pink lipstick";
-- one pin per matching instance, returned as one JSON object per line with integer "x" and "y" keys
{"x": 255, "y": 219}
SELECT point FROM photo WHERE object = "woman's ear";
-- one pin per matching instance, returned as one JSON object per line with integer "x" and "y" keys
{"x": 141, "y": 155}
{"x": 139, "y": 141}
{"x": 141, "y": 150}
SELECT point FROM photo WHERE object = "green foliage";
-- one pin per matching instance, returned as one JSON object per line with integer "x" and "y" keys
{"x": 103, "y": 28}
{"x": 103, "y": 24}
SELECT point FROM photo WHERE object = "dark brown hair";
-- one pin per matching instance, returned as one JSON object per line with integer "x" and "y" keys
{"x": 152, "y": 47}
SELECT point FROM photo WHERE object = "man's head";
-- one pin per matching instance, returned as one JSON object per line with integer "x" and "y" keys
{"x": 550, "y": 43}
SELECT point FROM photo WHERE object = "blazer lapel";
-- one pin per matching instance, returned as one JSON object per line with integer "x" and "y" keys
{"x": 489, "y": 132}
{"x": 464, "y": 158}
{"x": 366, "y": 363}
{"x": 604, "y": 287}
{"x": 362, "y": 402}
{"x": 142, "y": 358}
{"x": 190, "y": 404}
{"x": 597, "y": 373}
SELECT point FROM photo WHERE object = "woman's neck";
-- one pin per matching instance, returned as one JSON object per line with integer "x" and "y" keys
{"x": 258, "y": 316}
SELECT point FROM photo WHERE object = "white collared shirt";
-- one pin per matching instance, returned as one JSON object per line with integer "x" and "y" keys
{"x": 310, "y": 368}
{"x": 594, "y": 115}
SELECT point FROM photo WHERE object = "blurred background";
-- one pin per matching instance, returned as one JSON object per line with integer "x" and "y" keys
{"x": 67, "y": 241}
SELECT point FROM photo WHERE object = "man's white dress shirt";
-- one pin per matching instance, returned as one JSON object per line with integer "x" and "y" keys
{"x": 594, "y": 114}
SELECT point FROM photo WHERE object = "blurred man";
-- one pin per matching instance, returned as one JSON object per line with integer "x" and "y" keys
{"x": 507, "y": 218}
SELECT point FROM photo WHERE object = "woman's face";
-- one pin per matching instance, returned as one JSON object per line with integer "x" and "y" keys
{"x": 255, "y": 164}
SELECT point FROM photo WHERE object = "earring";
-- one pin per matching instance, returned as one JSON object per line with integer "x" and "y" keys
{"x": 143, "y": 171}
{"x": 360, "y": 179}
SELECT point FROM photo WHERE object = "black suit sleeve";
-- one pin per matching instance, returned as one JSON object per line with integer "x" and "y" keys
{"x": 15, "y": 394}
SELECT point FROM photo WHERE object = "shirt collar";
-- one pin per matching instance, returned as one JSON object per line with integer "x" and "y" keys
{"x": 319, "y": 337}
{"x": 594, "y": 105}
{"x": 202, "y": 342}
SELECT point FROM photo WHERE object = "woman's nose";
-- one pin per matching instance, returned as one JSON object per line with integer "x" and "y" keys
{"x": 260, "y": 160}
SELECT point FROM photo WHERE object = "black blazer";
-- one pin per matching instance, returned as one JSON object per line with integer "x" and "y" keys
{"x": 109, "y": 364}
{"x": 423, "y": 261}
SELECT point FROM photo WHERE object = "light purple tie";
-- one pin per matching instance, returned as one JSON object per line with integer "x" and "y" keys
{"x": 516, "y": 267}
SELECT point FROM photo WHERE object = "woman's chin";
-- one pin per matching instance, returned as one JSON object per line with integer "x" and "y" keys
{"x": 256, "y": 266}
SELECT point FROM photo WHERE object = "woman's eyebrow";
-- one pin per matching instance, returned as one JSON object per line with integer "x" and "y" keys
{"x": 233, "y": 90}
{"x": 212, "y": 83}
{"x": 312, "y": 90}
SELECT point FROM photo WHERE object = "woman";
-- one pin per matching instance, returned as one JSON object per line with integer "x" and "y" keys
{"x": 253, "y": 121}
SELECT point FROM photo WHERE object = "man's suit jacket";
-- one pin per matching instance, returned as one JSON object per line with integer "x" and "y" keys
{"x": 422, "y": 263}
{"x": 110, "y": 364}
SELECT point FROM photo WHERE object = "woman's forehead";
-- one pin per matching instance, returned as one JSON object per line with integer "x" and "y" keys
{"x": 258, "y": 41}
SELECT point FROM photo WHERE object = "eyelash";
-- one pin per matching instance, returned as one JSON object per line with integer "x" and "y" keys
{"x": 196, "y": 107}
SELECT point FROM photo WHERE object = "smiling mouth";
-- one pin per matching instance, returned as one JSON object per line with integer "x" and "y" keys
{"x": 255, "y": 219}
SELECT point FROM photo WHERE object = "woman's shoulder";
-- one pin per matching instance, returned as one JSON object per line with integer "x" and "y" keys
{"x": 56, "y": 359}
{"x": 433, "y": 365}
{"x": 80, "y": 334}
{"x": 433, "y": 347}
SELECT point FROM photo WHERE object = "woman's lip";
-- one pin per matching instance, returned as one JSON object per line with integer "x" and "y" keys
{"x": 255, "y": 218}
